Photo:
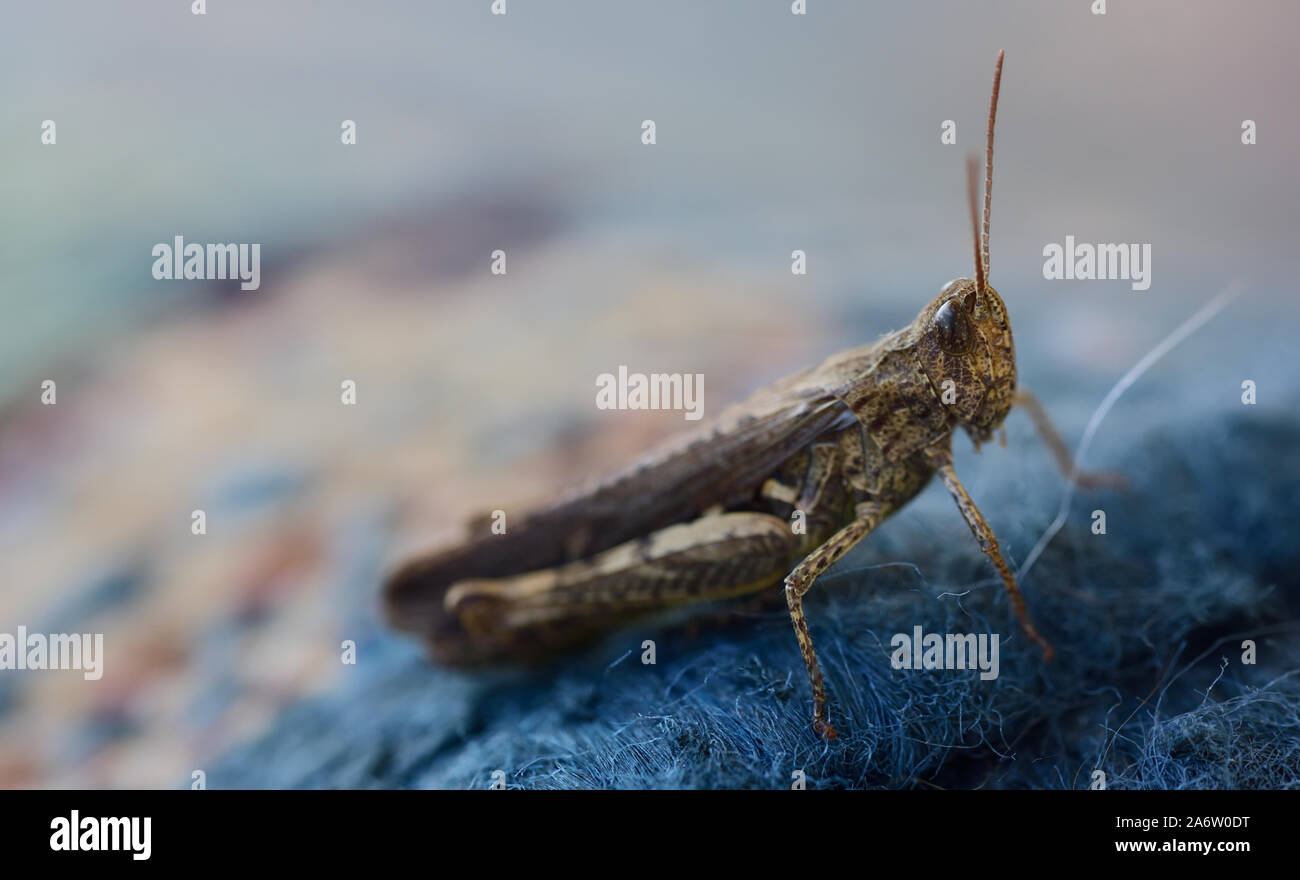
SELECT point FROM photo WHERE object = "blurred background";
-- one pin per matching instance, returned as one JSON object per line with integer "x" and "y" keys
{"x": 522, "y": 132}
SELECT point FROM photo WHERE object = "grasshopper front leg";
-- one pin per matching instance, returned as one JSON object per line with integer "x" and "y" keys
{"x": 941, "y": 459}
{"x": 869, "y": 515}
{"x": 1047, "y": 431}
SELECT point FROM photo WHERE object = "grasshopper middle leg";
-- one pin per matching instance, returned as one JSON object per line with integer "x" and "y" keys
{"x": 869, "y": 515}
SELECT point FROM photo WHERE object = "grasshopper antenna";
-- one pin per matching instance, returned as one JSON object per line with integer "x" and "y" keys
{"x": 972, "y": 198}
{"x": 972, "y": 191}
{"x": 988, "y": 164}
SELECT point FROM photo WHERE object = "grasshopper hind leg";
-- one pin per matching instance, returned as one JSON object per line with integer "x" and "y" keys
{"x": 719, "y": 556}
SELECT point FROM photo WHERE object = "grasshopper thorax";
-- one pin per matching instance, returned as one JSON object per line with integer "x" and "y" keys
{"x": 966, "y": 350}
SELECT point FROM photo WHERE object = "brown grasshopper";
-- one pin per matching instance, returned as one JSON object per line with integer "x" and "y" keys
{"x": 708, "y": 517}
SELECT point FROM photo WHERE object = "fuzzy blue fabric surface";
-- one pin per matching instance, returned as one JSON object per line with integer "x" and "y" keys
{"x": 1148, "y": 685}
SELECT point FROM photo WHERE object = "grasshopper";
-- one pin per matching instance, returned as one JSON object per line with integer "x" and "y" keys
{"x": 708, "y": 516}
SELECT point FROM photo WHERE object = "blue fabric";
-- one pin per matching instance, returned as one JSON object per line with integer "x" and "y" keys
{"x": 1148, "y": 684}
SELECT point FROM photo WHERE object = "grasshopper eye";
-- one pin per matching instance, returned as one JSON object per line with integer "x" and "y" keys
{"x": 952, "y": 328}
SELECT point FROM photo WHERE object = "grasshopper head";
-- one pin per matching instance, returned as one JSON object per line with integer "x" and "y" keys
{"x": 964, "y": 338}
{"x": 966, "y": 350}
